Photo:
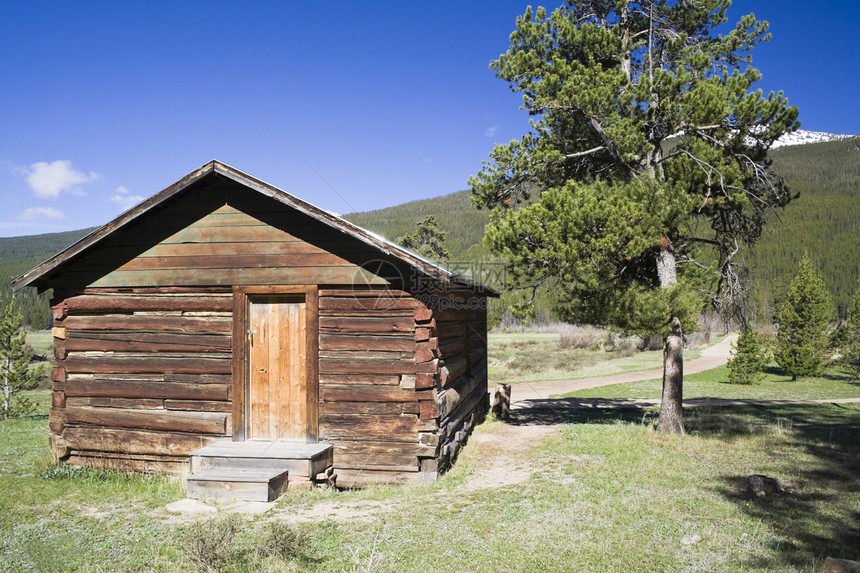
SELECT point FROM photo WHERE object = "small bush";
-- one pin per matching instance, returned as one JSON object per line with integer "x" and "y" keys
{"x": 210, "y": 545}
{"x": 586, "y": 337}
{"x": 283, "y": 541}
{"x": 749, "y": 357}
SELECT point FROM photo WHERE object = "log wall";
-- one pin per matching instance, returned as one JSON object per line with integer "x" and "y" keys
{"x": 141, "y": 377}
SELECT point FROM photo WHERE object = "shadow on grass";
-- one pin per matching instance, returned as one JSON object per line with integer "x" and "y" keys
{"x": 815, "y": 449}
{"x": 557, "y": 416}
{"x": 814, "y": 519}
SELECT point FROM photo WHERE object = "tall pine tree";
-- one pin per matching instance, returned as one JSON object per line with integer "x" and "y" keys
{"x": 648, "y": 151}
{"x": 802, "y": 341}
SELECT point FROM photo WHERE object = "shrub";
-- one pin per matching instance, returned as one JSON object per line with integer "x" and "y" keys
{"x": 283, "y": 541}
{"x": 802, "y": 342}
{"x": 749, "y": 357}
{"x": 210, "y": 545}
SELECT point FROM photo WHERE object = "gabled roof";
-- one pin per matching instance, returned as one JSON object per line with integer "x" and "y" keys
{"x": 423, "y": 264}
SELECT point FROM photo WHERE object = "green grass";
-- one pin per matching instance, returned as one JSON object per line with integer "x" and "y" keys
{"x": 601, "y": 492}
{"x": 42, "y": 342}
{"x": 514, "y": 358}
{"x": 836, "y": 383}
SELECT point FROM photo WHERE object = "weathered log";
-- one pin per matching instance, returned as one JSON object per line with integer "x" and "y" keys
{"x": 366, "y": 354}
{"x": 424, "y": 381}
{"x": 191, "y": 364}
{"x": 58, "y": 399}
{"x": 117, "y": 303}
{"x": 134, "y": 441}
{"x": 341, "y": 378}
{"x": 150, "y": 322}
{"x": 171, "y": 420}
{"x": 369, "y": 366}
{"x": 370, "y": 393}
{"x": 423, "y": 314}
{"x": 424, "y": 355}
{"x": 366, "y": 303}
{"x": 392, "y": 461}
{"x": 452, "y": 396}
{"x": 393, "y": 428}
{"x": 429, "y": 367}
{"x": 135, "y": 403}
{"x": 146, "y": 342}
{"x": 129, "y": 462}
{"x": 359, "y": 342}
{"x": 358, "y": 478}
{"x": 452, "y": 349}
{"x": 452, "y": 370}
{"x": 198, "y": 405}
{"x": 134, "y": 389}
{"x": 371, "y": 408}
{"x": 366, "y": 325}
{"x": 478, "y": 400}
{"x": 428, "y": 410}
{"x": 358, "y": 291}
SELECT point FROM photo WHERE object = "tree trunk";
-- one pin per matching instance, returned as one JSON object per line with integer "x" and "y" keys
{"x": 671, "y": 408}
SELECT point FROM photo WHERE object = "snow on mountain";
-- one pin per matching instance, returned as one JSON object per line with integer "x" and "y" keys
{"x": 801, "y": 136}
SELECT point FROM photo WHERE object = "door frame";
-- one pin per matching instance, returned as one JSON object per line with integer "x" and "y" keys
{"x": 241, "y": 388}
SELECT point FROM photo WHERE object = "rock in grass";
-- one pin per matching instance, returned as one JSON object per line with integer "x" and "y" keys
{"x": 841, "y": 565}
{"x": 763, "y": 485}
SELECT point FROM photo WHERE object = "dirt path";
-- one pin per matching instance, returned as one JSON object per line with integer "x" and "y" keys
{"x": 710, "y": 358}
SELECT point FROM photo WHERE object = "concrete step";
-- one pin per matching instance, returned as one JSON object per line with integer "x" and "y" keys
{"x": 299, "y": 458}
{"x": 246, "y": 484}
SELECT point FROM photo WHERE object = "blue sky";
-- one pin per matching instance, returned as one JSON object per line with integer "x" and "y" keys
{"x": 105, "y": 103}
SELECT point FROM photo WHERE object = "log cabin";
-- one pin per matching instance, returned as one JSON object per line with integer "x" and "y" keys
{"x": 223, "y": 325}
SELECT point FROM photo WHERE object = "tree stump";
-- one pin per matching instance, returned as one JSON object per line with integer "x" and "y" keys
{"x": 502, "y": 402}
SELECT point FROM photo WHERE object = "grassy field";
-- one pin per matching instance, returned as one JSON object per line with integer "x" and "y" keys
{"x": 535, "y": 357}
{"x": 836, "y": 383}
{"x": 552, "y": 491}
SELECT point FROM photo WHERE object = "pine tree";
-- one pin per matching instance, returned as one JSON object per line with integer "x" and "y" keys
{"x": 15, "y": 371}
{"x": 428, "y": 240}
{"x": 847, "y": 337}
{"x": 648, "y": 152}
{"x": 749, "y": 357}
{"x": 802, "y": 341}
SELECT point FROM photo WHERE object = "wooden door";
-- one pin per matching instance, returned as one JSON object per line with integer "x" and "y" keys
{"x": 277, "y": 368}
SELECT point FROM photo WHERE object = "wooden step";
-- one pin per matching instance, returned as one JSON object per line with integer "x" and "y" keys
{"x": 246, "y": 484}
{"x": 299, "y": 458}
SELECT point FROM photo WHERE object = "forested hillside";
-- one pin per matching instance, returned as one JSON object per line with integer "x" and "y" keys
{"x": 20, "y": 254}
{"x": 824, "y": 220}
{"x": 454, "y": 213}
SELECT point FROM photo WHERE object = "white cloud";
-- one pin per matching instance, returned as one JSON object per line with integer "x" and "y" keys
{"x": 49, "y": 179}
{"x": 124, "y": 200}
{"x": 424, "y": 159}
{"x": 41, "y": 213}
{"x": 491, "y": 131}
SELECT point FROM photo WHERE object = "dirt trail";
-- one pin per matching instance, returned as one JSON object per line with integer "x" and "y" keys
{"x": 710, "y": 358}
